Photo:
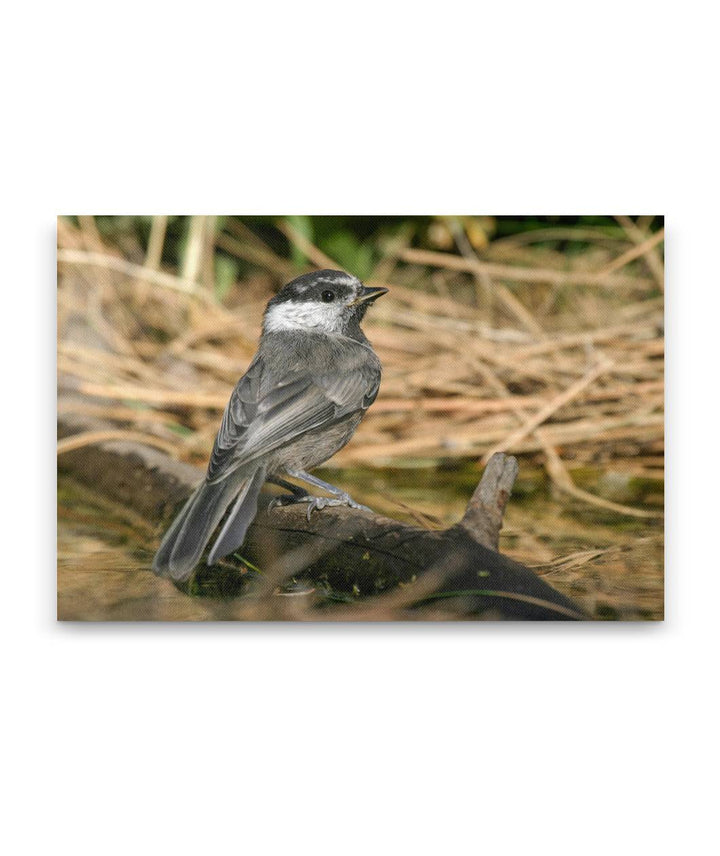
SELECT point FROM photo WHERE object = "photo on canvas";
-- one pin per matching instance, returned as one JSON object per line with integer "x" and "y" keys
{"x": 357, "y": 418}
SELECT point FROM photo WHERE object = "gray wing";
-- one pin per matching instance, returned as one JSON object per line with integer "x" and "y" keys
{"x": 267, "y": 412}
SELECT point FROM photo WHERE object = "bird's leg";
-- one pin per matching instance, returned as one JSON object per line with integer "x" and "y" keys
{"x": 299, "y": 494}
{"x": 339, "y": 497}
{"x": 296, "y": 490}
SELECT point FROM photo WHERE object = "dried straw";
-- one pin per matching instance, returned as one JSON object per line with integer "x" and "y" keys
{"x": 563, "y": 363}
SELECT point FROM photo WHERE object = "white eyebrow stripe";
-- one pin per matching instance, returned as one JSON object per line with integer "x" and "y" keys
{"x": 302, "y": 315}
{"x": 331, "y": 282}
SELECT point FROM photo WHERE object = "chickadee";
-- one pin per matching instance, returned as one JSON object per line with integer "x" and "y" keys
{"x": 300, "y": 401}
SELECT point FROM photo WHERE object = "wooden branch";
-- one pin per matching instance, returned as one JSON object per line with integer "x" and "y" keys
{"x": 382, "y": 567}
{"x": 484, "y": 513}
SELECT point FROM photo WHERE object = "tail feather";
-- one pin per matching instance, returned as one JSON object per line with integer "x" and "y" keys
{"x": 242, "y": 515}
{"x": 190, "y": 532}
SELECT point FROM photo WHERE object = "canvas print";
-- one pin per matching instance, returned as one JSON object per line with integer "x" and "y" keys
{"x": 345, "y": 418}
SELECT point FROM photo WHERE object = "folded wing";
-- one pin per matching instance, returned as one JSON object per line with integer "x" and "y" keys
{"x": 266, "y": 412}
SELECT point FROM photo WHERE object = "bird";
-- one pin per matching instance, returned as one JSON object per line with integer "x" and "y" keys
{"x": 313, "y": 377}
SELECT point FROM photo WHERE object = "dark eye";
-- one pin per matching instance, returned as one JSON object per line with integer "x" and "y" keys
{"x": 328, "y": 296}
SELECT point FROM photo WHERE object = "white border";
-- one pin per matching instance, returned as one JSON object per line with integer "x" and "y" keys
{"x": 360, "y": 739}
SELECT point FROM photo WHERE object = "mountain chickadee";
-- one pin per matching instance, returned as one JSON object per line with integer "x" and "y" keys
{"x": 300, "y": 401}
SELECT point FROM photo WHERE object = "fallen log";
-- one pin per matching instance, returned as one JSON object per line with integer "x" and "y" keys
{"x": 347, "y": 564}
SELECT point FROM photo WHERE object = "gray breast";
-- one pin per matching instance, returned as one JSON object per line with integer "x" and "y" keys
{"x": 315, "y": 447}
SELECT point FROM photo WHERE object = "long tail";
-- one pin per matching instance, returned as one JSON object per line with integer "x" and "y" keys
{"x": 191, "y": 530}
{"x": 242, "y": 515}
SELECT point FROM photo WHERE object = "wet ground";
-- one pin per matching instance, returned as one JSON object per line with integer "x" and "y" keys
{"x": 610, "y": 564}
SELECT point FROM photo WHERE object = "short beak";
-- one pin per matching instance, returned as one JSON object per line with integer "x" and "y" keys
{"x": 369, "y": 293}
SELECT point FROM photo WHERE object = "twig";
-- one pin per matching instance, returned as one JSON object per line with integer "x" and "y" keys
{"x": 316, "y": 255}
{"x": 564, "y": 482}
{"x": 194, "y": 249}
{"x": 257, "y": 255}
{"x": 576, "y": 340}
{"x": 652, "y": 257}
{"x": 484, "y": 281}
{"x": 117, "y": 412}
{"x": 517, "y": 274}
{"x": 92, "y": 438}
{"x": 156, "y": 396}
{"x": 91, "y": 237}
{"x": 573, "y": 233}
{"x": 454, "y": 405}
{"x": 545, "y": 412}
{"x": 449, "y": 441}
{"x": 166, "y": 280}
{"x": 156, "y": 241}
{"x": 635, "y": 252}
{"x": 415, "y": 320}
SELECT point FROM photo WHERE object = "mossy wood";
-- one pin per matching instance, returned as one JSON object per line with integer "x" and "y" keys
{"x": 379, "y": 566}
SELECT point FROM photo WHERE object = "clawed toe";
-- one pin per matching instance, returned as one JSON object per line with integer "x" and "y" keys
{"x": 317, "y": 503}
{"x": 279, "y": 502}
{"x": 353, "y": 504}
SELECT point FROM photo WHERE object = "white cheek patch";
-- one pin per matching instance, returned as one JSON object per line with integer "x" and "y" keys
{"x": 303, "y": 315}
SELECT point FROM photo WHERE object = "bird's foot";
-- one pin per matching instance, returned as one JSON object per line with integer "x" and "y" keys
{"x": 317, "y": 503}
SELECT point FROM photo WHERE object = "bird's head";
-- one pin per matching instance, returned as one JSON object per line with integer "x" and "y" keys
{"x": 325, "y": 301}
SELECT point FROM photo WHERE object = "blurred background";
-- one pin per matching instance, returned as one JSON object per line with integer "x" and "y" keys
{"x": 539, "y": 336}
